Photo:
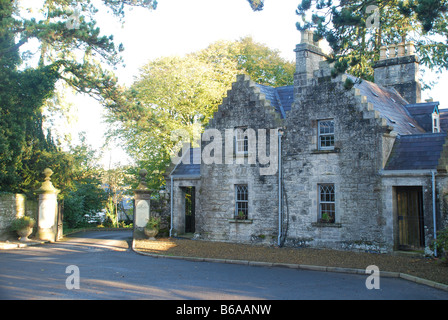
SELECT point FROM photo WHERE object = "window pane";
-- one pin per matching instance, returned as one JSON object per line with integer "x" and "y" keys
{"x": 327, "y": 203}
{"x": 326, "y": 127}
{"x": 242, "y": 141}
{"x": 241, "y": 193}
{"x": 327, "y": 212}
{"x": 242, "y": 202}
{"x": 326, "y": 134}
{"x": 326, "y": 193}
{"x": 327, "y": 141}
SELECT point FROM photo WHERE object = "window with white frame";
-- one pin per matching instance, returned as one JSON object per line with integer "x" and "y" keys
{"x": 242, "y": 201}
{"x": 241, "y": 141}
{"x": 327, "y": 203}
{"x": 435, "y": 122}
{"x": 326, "y": 134}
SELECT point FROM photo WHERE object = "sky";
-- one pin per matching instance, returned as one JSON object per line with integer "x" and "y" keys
{"x": 179, "y": 27}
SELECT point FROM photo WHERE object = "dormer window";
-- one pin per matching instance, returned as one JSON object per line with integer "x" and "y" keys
{"x": 435, "y": 122}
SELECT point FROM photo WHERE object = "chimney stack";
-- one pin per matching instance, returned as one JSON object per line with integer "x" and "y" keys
{"x": 399, "y": 70}
{"x": 308, "y": 56}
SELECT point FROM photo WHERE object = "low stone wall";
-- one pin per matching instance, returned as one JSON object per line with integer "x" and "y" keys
{"x": 13, "y": 206}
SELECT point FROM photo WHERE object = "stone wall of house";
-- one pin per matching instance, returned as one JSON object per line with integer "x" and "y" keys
{"x": 361, "y": 137}
{"x": 14, "y": 206}
{"x": 365, "y": 198}
{"x": 244, "y": 106}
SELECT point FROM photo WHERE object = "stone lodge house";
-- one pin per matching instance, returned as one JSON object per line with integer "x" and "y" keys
{"x": 361, "y": 168}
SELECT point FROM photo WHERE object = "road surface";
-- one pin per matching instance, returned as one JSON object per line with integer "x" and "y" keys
{"x": 101, "y": 265}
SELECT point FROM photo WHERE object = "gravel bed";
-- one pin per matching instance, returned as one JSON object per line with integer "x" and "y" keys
{"x": 418, "y": 266}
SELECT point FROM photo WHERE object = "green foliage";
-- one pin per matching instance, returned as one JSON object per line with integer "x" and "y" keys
{"x": 263, "y": 64}
{"x": 256, "y": 5}
{"x": 441, "y": 244}
{"x": 83, "y": 193}
{"x": 182, "y": 93}
{"x": 22, "y": 93}
{"x": 72, "y": 53}
{"x": 348, "y": 84}
{"x": 74, "y": 215}
{"x": 22, "y": 222}
{"x": 355, "y": 41}
{"x": 111, "y": 214}
{"x": 153, "y": 223}
{"x": 83, "y": 203}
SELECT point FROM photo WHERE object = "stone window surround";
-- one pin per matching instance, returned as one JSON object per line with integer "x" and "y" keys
{"x": 233, "y": 219}
{"x": 319, "y": 223}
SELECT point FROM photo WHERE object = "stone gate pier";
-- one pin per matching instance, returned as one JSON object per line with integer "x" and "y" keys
{"x": 142, "y": 198}
{"x": 48, "y": 209}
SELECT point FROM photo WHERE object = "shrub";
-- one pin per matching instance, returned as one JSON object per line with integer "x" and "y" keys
{"x": 153, "y": 223}
{"x": 441, "y": 244}
{"x": 22, "y": 222}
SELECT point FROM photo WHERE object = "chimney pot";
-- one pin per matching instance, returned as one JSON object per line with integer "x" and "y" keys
{"x": 392, "y": 51}
{"x": 383, "y": 53}
{"x": 410, "y": 47}
{"x": 401, "y": 49}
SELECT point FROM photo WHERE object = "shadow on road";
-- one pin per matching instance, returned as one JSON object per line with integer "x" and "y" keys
{"x": 114, "y": 240}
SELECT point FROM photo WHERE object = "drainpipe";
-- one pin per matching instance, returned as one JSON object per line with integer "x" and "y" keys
{"x": 171, "y": 206}
{"x": 434, "y": 207}
{"x": 280, "y": 134}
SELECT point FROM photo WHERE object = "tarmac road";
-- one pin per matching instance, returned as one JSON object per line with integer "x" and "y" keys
{"x": 101, "y": 265}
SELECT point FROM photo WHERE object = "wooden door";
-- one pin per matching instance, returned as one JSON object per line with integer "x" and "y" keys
{"x": 190, "y": 210}
{"x": 410, "y": 218}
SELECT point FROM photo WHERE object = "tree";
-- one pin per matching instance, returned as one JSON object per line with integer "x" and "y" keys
{"x": 23, "y": 144}
{"x": 85, "y": 196}
{"x": 117, "y": 182}
{"x": 355, "y": 30}
{"x": 256, "y": 5}
{"x": 182, "y": 93}
{"x": 71, "y": 50}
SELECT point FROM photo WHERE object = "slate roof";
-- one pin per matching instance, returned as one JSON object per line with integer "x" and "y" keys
{"x": 193, "y": 168}
{"x": 281, "y": 98}
{"x": 391, "y": 106}
{"x": 444, "y": 119}
{"x": 388, "y": 102}
{"x": 422, "y": 108}
{"x": 416, "y": 152}
{"x": 414, "y": 149}
{"x": 422, "y": 113}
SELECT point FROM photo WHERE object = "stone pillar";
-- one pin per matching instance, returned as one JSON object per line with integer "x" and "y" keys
{"x": 142, "y": 212}
{"x": 48, "y": 209}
